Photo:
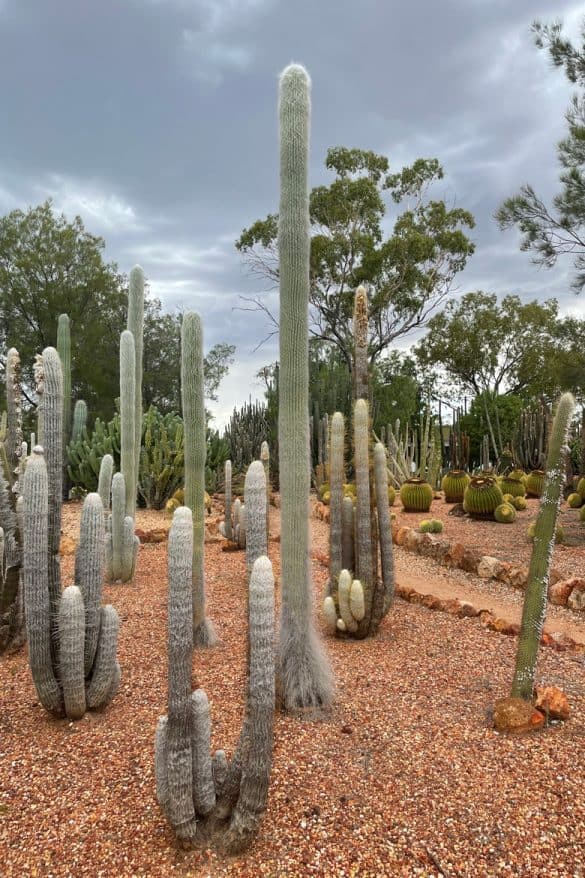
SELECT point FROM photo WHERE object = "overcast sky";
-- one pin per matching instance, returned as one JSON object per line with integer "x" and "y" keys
{"x": 155, "y": 120}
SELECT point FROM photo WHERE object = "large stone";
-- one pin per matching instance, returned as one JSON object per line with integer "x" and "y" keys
{"x": 517, "y": 716}
{"x": 558, "y": 593}
{"x": 413, "y": 539}
{"x": 402, "y": 535}
{"x": 470, "y": 560}
{"x": 553, "y": 702}
{"x": 518, "y": 577}
{"x": 488, "y": 567}
{"x": 454, "y": 555}
{"x": 576, "y": 600}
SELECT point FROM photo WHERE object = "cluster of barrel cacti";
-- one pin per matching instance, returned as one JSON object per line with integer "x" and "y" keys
{"x": 358, "y": 594}
{"x": 72, "y": 639}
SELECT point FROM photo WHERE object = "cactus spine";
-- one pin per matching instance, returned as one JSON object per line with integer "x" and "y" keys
{"x": 64, "y": 684}
{"x": 206, "y": 799}
{"x": 195, "y": 453}
{"x": 534, "y": 609}
{"x": 305, "y": 676}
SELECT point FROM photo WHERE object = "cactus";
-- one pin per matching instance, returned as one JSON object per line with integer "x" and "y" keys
{"x": 11, "y": 463}
{"x": 128, "y": 418}
{"x": 454, "y": 484}
{"x": 204, "y": 798}
{"x": 513, "y": 486}
{"x": 481, "y": 497}
{"x": 162, "y": 458}
{"x": 505, "y": 513}
{"x": 360, "y": 332}
{"x": 87, "y": 647}
{"x": 255, "y": 511}
{"x": 431, "y": 526}
{"x": 195, "y": 452}
{"x": 534, "y": 610}
{"x": 336, "y": 497}
{"x": 265, "y": 458}
{"x": 248, "y": 427}
{"x": 105, "y": 481}
{"x": 535, "y": 483}
{"x": 135, "y": 323}
{"x": 225, "y": 527}
{"x": 79, "y": 420}
{"x": 121, "y": 542}
{"x": 85, "y": 453}
{"x": 304, "y": 672}
{"x": 519, "y": 503}
{"x": 64, "y": 351}
{"x": 575, "y": 500}
{"x": 416, "y": 495}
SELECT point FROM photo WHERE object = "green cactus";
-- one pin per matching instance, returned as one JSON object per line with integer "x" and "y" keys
{"x": 481, "y": 497}
{"x": 535, "y": 598}
{"x": 304, "y": 672}
{"x": 454, "y": 484}
{"x": 513, "y": 486}
{"x": 64, "y": 683}
{"x": 416, "y": 495}
{"x": 505, "y": 513}
{"x": 205, "y": 798}
{"x": 575, "y": 500}
{"x": 121, "y": 544}
{"x": 162, "y": 458}
{"x": 519, "y": 503}
{"x": 85, "y": 454}
{"x": 195, "y": 453}
{"x": 79, "y": 420}
{"x": 431, "y": 526}
{"x": 535, "y": 483}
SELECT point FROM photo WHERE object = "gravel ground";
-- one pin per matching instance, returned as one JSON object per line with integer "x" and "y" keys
{"x": 404, "y": 776}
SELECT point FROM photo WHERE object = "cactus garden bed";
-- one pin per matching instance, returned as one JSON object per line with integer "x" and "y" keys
{"x": 404, "y": 777}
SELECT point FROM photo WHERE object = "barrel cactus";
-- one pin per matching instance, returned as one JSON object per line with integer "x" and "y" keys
{"x": 505, "y": 513}
{"x": 416, "y": 495}
{"x": 575, "y": 500}
{"x": 513, "y": 486}
{"x": 454, "y": 484}
{"x": 482, "y": 496}
{"x": 519, "y": 503}
{"x": 205, "y": 798}
{"x": 431, "y": 526}
{"x": 535, "y": 483}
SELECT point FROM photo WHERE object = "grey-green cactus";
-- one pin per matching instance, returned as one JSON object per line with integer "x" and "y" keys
{"x": 135, "y": 324}
{"x": 105, "y": 481}
{"x": 79, "y": 420}
{"x": 128, "y": 459}
{"x": 195, "y": 451}
{"x": 265, "y": 458}
{"x": 225, "y": 527}
{"x": 360, "y": 331}
{"x": 255, "y": 511}
{"x": 354, "y": 538}
{"x": 535, "y": 598}
{"x": 206, "y": 799}
{"x": 12, "y": 630}
{"x": 121, "y": 542}
{"x": 304, "y": 673}
{"x": 64, "y": 685}
{"x": 64, "y": 351}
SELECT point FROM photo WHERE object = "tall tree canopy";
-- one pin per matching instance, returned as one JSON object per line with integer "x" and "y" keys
{"x": 50, "y": 266}
{"x": 491, "y": 348}
{"x": 409, "y": 272}
{"x": 559, "y": 229}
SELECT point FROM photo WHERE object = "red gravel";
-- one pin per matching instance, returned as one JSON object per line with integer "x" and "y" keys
{"x": 405, "y": 776}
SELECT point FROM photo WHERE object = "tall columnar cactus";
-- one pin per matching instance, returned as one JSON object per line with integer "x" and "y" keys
{"x": 255, "y": 505}
{"x": 11, "y": 463}
{"x": 305, "y": 676}
{"x": 136, "y": 326}
{"x": 128, "y": 460}
{"x": 121, "y": 544}
{"x": 360, "y": 331}
{"x": 64, "y": 351}
{"x": 358, "y": 595}
{"x": 195, "y": 451}
{"x": 225, "y": 527}
{"x": 86, "y": 673}
{"x": 105, "y": 481}
{"x": 534, "y": 610}
{"x": 205, "y": 798}
{"x": 265, "y": 458}
{"x": 79, "y": 420}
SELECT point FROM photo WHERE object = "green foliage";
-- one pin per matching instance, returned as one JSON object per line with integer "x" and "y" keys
{"x": 558, "y": 230}
{"x": 503, "y": 412}
{"x": 409, "y": 272}
{"x": 85, "y": 454}
{"x": 162, "y": 458}
{"x": 247, "y": 429}
{"x": 218, "y": 451}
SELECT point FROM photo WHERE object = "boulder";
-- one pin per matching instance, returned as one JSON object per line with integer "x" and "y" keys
{"x": 402, "y": 534}
{"x": 488, "y": 567}
{"x": 558, "y": 593}
{"x": 517, "y": 716}
{"x": 412, "y": 541}
{"x": 553, "y": 702}
{"x": 576, "y": 600}
{"x": 518, "y": 577}
{"x": 470, "y": 560}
